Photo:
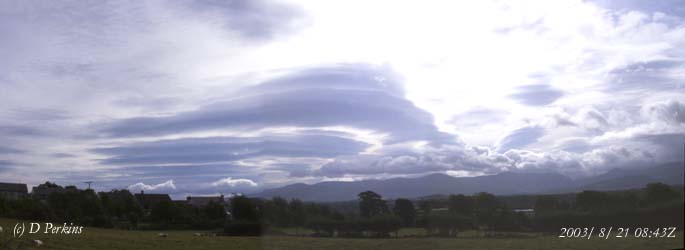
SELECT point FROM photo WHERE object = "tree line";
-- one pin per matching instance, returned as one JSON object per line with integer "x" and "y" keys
{"x": 657, "y": 204}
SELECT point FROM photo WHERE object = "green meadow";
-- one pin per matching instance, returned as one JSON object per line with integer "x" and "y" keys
{"x": 102, "y": 239}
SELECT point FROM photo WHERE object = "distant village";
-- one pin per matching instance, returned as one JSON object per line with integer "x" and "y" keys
{"x": 14, "y": 191}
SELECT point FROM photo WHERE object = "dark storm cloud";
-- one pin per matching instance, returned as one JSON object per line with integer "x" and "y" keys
{"x": 219, "y": 149}
{"x": 347, "y": 95}
{"x": 537, "y": 95}
{"x": 520, "y": 138}
{"x": 253, "y": 19}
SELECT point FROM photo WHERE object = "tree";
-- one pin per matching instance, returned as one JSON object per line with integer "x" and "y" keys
{"x": 48, "y": 184}
{"x": 592, "y": 201}
{"x": 426, "y": 206}
{"x": 486, "y": 202}
{"x": 162, "y": 211}
{"x": 460, "y": 204}
{"x": 298, "y": 214}
{"x": 383, "y": 224}
{"x": 546, "y": 204}
{"x": 122, "y": 205}
{"x": 277, "y": 212}
{"x": 487, "y": 206}
{"x": 242, "y": 208}
{"x": 214, "y": 211}
{"x": 371, "y": 204}
{"x": 404, "y": 209}
{"x": 659, "y": 192}
{"x": 80, "y": 206}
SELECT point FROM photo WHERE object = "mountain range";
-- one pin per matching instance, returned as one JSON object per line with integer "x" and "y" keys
{"x": 506, "y": 183}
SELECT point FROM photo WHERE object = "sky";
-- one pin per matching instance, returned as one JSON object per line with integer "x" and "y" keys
{"x": 208, "y": 96}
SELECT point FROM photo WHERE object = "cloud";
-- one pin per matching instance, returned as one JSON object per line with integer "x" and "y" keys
{"x": 222, "y": 149}
{"x": 5, "y": 165}
{"x": 654, "y": 74}
{"x": 520, "y": 138}
{"x": 185, "y": 172}
{"x": 671, "y": 7}
{"x": 8, "y": 150}
{"x": 672, "y": 112}
{"x": 16, "y": 130}
{"x": 63, "y": 155}
{"x": 230, "y": 182}
{"x": 279, "y": 92}
{"x": 253, "y": 19}
{"x": 576, "y": 145}
{"x": 161, "y": 187}
{"x": 348, "y": 95}
{"x": 417, "y": 159}
{"x": 294, "y": 169}
{"x": 478, "y": 117}
{"x": 537, "y": 95}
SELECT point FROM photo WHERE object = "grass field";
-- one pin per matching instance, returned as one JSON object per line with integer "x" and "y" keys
{"x": 103, "y": 239}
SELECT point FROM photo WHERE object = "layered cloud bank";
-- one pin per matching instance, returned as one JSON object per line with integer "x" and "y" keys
{"x": 208, "y": 97}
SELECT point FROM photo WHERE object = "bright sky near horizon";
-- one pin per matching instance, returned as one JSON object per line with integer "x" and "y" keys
{"x": 205, "y": 96}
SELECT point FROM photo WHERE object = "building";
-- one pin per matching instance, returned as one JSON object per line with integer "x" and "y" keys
{"x": 147, "y": 201}
{"x": 13, "y": 191}
{"x": 201, "y": 201}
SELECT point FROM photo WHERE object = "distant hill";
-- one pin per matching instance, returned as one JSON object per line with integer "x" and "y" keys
{"x": 671, "y": 173}
{"x": 507, "y": 183}
{"x": 504, "y": 183}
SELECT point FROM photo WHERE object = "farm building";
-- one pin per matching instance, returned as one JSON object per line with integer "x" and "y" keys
{"x": 147, "y": 201}
{"x": 13, "y": 191}
{"x": 201, "y": 201}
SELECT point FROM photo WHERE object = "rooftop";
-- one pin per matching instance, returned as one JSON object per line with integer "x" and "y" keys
{"x": 13, "y": 187}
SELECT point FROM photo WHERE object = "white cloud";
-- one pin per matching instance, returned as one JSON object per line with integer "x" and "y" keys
{"x": 230, "y": 182}
{"x": 164, "y": 186}
{"x": 457, "y": 59}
